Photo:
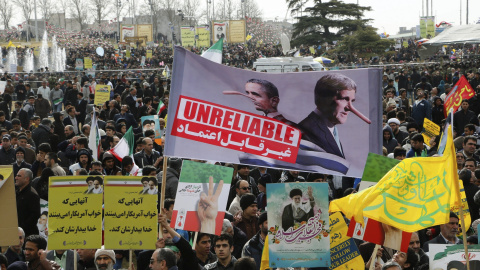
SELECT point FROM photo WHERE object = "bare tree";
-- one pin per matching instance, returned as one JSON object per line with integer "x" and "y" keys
{"x": 100, "y": 9}
{"x": 63, "y": 7}
{"x": 26, "y": 7}
{"x": 45, "y": 9}
{"x": 251, "y": 9}
{"x": 190, "y": 8}
{"x": 226, "y": 10}
{"x": 79, "y": 12}
{"x": 6, "y": 12}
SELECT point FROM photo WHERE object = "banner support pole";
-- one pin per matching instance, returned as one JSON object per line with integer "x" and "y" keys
{"x": 162, "y": 196}
{"x": 464, "y": 233}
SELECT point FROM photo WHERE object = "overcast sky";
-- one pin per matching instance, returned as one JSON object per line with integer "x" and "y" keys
{"x": 389, "y": 15}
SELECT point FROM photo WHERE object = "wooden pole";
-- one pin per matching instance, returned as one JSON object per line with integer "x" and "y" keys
{"x": 75, "y": 260}
{"x": 464, "y": 232}
{"x": 130, "y": 258}
{"x": 374, "y": 257}
{"x": 194, "y": 240}
{"x": 162, "y": 194}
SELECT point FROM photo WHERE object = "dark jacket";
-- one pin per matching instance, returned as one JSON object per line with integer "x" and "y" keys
{"x": 421, "y": 111}
{"x": 7, "y": 157}
{"x": 141, "y": 159}
{"x": 437, "y": 112}
{"x": 28, "y": 209}
{"x": 217, "y": 266}
{"x": 392, "y": 142}
{"x": 41, "y": 135}
{"x": 22, "y": 165}
{"x": 437, "y": 240}
{"x": 461, "y": 119}
{"x": 22, "y": 115}
{"x": 171, "y": 183}
{"x": 253, "y": 249}
{"x": 42, "y": 107}
{"x": 81, "y": 107}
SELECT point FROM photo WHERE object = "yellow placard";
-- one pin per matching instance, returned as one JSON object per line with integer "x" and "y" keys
{"x": 8, "y": 215}
{"x": 203, "y": 33}
{"x": 343, "y": 251}
{"x": 75, "y": 217}
{"x": 102, "y": 94}
{"x": 145, "y": 30}
{"x": 236, "y": 31}
{"x": 130, "y": 212}
{"x": 188, "y": 36}
{"x": 431, "y": 130}
{"x": 405, "y": 44}
{"x": 87, "y": 62}
{"x": 36, "y": 51}
{"x": 149, "y": 54}
{"x": 127, "y": 53}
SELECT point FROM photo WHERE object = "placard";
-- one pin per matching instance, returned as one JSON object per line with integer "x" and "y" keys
{"x": 102, "y": 94}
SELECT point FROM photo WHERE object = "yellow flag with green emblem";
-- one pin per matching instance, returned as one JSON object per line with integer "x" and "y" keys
{"x": 417, "y": 193}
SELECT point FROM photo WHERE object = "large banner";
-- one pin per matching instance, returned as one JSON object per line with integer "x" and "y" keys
{"x": 228, "y": 115}
{"x": 188, "y": 36}
{"x": 145, "y": 30}
{"x": 130, "y": 212}
{"x": 75, "y": 217}
{"x": 8, "y": 215}
{"x": 219, "y": 30}
{"x": 201, "y": 198}
{"x": 236, "y": 31}
{"x": 447, "y": 257}
{"x": 203, "y": 33}
{"x": 127, "y": 31}
{"x": 298, "y": 224}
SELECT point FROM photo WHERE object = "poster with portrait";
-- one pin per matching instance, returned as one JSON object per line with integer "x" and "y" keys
{"x": 219, "y": 30}
{"x": 79, "y": 64}
{"x": 274, "y": 120}
{"x": 75, "y": 212}
{"x": 298, "y": 222}
{"x": 42, "y": 223}
{"x": 201, "y": 198}
{"x": 449, "y": 257}
{"x": 151, "y": 122}
{"x": 130, "y": 212}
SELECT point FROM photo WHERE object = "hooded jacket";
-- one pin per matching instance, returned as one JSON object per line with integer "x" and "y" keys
{"x": 392, "y": 142}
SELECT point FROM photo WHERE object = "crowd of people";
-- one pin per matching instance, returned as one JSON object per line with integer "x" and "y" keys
{"x": 45, "y": 123}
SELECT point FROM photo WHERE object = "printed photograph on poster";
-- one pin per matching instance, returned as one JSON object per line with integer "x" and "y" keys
{"x": 298, "y": 223}
{"x": 201, "y": 198}
{"x": 450, "y": 257}
{"x": 149, "y": 185}
{"x": 95, "y": 185}
{"x": 294, "y": 120}
{"x": 151, "y": 122}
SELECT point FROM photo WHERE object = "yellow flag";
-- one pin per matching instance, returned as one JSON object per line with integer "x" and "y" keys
{"x": 249, "y": 37}
{"x": 265, "y": 259}
{"x": 312, "y": 50}
{"x": 10, "y": 44}
{"x": 416, "y": 194}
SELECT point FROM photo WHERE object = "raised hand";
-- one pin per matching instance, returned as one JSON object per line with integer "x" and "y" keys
{"x": 208, "y": 207}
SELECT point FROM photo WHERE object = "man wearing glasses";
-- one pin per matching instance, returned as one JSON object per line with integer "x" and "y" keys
{"x": 163, "y": 259}
{"x": 241, "y": 187}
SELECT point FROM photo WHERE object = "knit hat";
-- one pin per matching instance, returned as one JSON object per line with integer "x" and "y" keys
{"x": 19, "y": 149}
{"x": 393, "y": 120}
{"x": 295, "y": 192}
{"x": 262, "y": 218}
{"x": 247, "y": 200}
{"x": 108, "y": 252}
{"x": 265, "y": 179}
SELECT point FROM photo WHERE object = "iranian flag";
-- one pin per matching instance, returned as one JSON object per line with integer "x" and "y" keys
{"x": 215, "y": 52}
{"x": 161, "y": 107}
{"x": 94, "y": 138}
{"x": 125, "y": 148}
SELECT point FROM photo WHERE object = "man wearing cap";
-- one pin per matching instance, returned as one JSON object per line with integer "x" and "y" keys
{"x": 20, "y": 160}
{"x": 7, "y": 153}
{"x": 253, "y": 248}
{"x": 247, "y": 221}
{"x": 104, "y": 259}
{"x": 399, "y": 135}
{"x": 448, "y": 233}
{"x": 296, "y": 212}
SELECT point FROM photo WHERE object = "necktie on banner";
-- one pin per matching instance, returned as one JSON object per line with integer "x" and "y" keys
{"x": 462, "y": 90}
{"x": 417, "y": 193}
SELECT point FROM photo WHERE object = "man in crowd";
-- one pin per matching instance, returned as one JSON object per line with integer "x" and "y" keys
{"x": 86, "y": 259}
{"x": 247, "y": 219}
{"x": 448, "y": 234}
{"x": 28, "y": 202}
{"x": 16, "y": 253}
{"x": 35, "y": 253}
{"x": 147, "y": 156}
{"x": 254, "y": 247}
{"x": 51, "y": 160}
{"x": 241, "y": 187}
{"x": 223, "y": 246}
{"x": 104, "y": 259}
{"x": 7, "y": 153}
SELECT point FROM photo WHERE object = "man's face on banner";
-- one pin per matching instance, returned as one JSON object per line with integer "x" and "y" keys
{"x": 259, "y": 97}
{"x": 341, "y": 103}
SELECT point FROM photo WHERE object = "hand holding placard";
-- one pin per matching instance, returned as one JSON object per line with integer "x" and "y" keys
{"x": 208, "y": 207}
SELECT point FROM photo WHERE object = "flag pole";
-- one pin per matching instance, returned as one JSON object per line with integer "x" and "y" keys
{"x": 373, "y": 259}
{"x": 162, "y": 196}
{"x": 464, "y": 233}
